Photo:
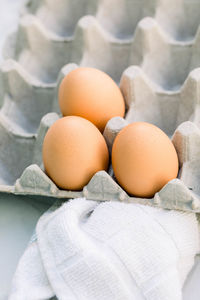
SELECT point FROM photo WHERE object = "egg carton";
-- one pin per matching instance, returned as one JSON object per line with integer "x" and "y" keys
{"x": 52, "y": 34}
{"x": 148, "y": 47}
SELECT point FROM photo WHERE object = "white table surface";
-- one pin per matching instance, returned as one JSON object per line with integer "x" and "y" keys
{"x": 18, "y": 217}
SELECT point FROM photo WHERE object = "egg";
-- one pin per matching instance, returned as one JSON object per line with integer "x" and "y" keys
{"x": 73, "y": 151}
{"x": 143, "y": 159}
{"x": 91, "y": 94}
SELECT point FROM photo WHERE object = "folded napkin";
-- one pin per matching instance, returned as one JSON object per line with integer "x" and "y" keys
{"x": 108, "y": 251}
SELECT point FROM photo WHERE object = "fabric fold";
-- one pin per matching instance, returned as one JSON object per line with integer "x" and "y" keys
{"x": 108, "y": 250}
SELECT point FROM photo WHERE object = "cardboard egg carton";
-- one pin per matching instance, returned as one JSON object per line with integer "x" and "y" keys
{"x": 181, "y": 193}
{"x": 141, "y": 45}
{"x": 89, "y": 32}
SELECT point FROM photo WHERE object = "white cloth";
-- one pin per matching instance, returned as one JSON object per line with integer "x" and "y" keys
{"x": 108, "y": 251}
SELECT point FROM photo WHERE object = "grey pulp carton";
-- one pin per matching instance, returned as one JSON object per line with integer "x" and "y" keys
{"x": 151, "y": 48}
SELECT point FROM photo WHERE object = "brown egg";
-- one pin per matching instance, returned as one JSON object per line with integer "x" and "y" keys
{"x": 91, "y": 94}
{"x": 73, "y": 151}
{"x": 143, "y": 159}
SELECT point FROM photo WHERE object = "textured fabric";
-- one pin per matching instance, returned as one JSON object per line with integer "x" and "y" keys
{"x": 112, "y": 250}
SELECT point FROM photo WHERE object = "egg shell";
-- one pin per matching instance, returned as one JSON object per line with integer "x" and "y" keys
{"x": 91, "y": 94}
{"x": 73, "y": 151}
{"x": 143, "y": 159}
